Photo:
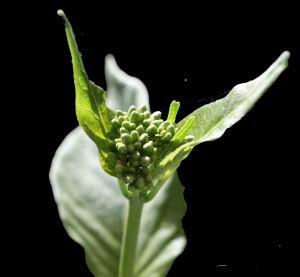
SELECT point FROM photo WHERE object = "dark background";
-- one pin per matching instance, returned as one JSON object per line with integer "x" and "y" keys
{"x": 240, "y": 189}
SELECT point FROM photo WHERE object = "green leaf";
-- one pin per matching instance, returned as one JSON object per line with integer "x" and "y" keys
{"x": 91, "y": 110}
{"x": 213, "y": 119}
{"x": 92, "y": 207}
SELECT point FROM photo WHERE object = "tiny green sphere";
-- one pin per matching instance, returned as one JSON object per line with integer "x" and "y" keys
{"x": 120, "y": 168}
{"x": 131, "y": 109}
{"x": 142, "y": 117}
{"x": 134, "y": 136}
{"x": 126, "y": 124}
{"x": 115, "y": 123}
{"x": 148, "y": 148}
{"x": 135, "y": 155}
{"x": 132, "y": 126}
{"x": 148, "y": 178}
{"x": 123, "y": 131}
{"x": 126, "y": 117}
{"x": 140, "y": 182}
{"x": 144, "y": 138}
{"x": 167, "y": 137}
{"x": 123, "y": 158}
{"x": 157, "y": 122}
{"x": 128, "y": 178}
{"x": 145, "y": 171}
{"x": 171, "y": 129}
{"x": 138, "y": 146}
{"x": 119, "y": 113}
{"x": 142, "y": 108}
{"x": 130, "y": 148}
{"x": 165, "y": 124}
{"x": 144, "y": 161}
{"x": 131, "y": 169}
{"x": 112, "y": 158}
{"x": 151, "y": 130}
{"x": 135, "y": 117}
{"x": 156, "y": 115}
{"x": 131, "y": 187}
{"x": 126, "y": 138}
{"x": 121, "y": 119}
{"x": 147, "y": 114}
{"x": 189, "y": 138}
{"x": 121, "y": 148}
{"x": 135, "y": 163}
{"x": 118, "y": 140}
{"x": 111, "y": 135}
{"x": 112, "y": 146}
{"x": 140, "y": 129}
{"x": 154, "y": 152}
{"x": 163, "y": 133}
{"x": 146, "y": 123}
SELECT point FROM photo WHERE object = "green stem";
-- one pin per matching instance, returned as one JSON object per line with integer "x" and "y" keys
{"x": 130, "y": 236}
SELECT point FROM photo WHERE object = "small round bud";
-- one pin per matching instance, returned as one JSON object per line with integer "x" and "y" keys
{"x": 112, "y": 146}
{"x": 121, "y": 148}
{"x": 131, "y": 109}
{"x": 138, "y": 146}
{"x": 140, "y": 182}
{"x": 112, "y": 158}
{"x": 147, "y": 114}
{"x": 164, "y": 125}
{"x": 176, "y": 130}
{"x": 142, "y": 117}
{"x": 144, "y": 138}
{"x": 131, "y": 187}
{"x": 135, "y": 155}
{"x": 118, "y": 140}
{"x": 126, "y": 138}
{"x": 144, "y": 161}
{"x": 134, "y": 136}
{"x": 140, "y": 129}
{"x": 148, "y": 178}
{"x": 171, "y": 129}
{"x": 126, "y": 117}
{"x": 120, "y": 168}
{"x": 123, "y": 131}
{"x": 126, "y": 124}
{"x": 167, "y": 137}
{"x": 128, "y": 178}
{"x": 154, "y": 152}
{"x": 132, "y": 126}
{"x": 123, "y": 158}
{"x": 148, "y": 148}
{"x": 146, "y": 123}
{"x": 119, "y": 162}
{"x": 145, "y": 171}
{"x": 151, "y": 130}
{"x": 157, "y": 122}
{"x": 121, "y": 119}
{"x": 163, "y": 133}
{"x": 136, "y": 163}
{"x": 156, "y": 115}
{"x": 111, "y": 135}
{"x": 131, "y": 169}
{"x": 119, "y": 113}
{"x": 130, "y": 148}
{"x": 135, "y": 117}
{"x": 115, "y": 123}
{"x": 142, "y": 108}
{"x": 189, "y": 138}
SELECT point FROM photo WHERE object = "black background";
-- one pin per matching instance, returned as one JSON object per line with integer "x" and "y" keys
{"x": 240, "y": 189}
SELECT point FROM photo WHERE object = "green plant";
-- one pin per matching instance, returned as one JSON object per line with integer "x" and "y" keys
{"x": 127, "y": 212}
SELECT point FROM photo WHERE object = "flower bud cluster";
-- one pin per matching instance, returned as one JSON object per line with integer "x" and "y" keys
{"x": 137, "y": 138}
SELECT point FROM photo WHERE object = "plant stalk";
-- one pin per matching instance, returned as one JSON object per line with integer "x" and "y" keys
{"x": 130, "y": 236}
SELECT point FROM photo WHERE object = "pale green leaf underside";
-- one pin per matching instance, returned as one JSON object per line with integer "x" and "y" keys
{"x": 213, "y": 119}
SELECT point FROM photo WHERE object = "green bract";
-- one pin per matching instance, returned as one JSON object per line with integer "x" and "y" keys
{"x": 143, "y": 150}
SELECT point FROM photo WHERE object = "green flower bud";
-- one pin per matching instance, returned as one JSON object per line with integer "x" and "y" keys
{"x": 126, "y": 117}
{"x": 126, "y": 138}
{"x": 115, "y": 123}
{"x": 145, "y": 171}
{"x": 128, "y": 178}
{"x": 140, "y": 182}
{"x": 147, "y": 114}
{"x": 167, "y": 137}
{"x": 157, "y": 122}
{"x": 142, "y": 117}
{"x": 134, "y": 136}
{"x": 171, "y": 129}
{"x": 148, "y": 178}
{"x": 148, "y": 148}
{"x": 135, "y": 117}
{"x": 131, "y": 169}
{"x": 144, "y": 161}
{"x": 144, "y": 138}
{"x": 155, "y": 150}
{"x": 151, "y": 130}
{"x": 176, "y": 130}
{"x": 156, "y": 115}
{"x": 112, "y": 158}
{"x": 111, "y": 135}
{"x": 118, "y": 140}
{"x": 112, "y": 146}
{"x": 140, "y": 129}
{"x": 123, "y": 158}
{"x": 164, "y": 125}
{"x": 132, "y": 126}
{"x": 123, "y": 131}
{"x": 189, "y": 138}
{"x": 135, "y": 155}
{"x": 163, "y": 133}
{"x": 131, "y": 109}
{"x": 139, "y": 172}
{"x": 136, "y": 163}
{"x": 138, "y": 146}
{"x": 120, "y": 168}
{"x": 119, "y": 162}
{"x": 130, "y": 148}
{"x": 142, "y": 108}
{"x": 149, "y": 186}
{"x": 121, "y": 119}
{"x": 119, "y": 113}
{"x": 146, "y": 123}
{"x": 126, "y": 125}
{"x": 121, "y": 148}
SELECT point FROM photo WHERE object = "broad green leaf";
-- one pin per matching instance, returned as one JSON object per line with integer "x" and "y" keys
{"x": 92, "y": 207}
{"x": 91, "y": 110}
{"x": 213, "y": 119}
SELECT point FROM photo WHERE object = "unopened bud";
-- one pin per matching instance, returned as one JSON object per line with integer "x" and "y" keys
{"x": 142, "y": 117}
{"x": 123, "y": 158}
{"x": 136, "y": 163}
{"x": 131, "y": 169}
{"x": 156, "y": 115}
{"x": 147, "y": 114}
{"x": 115, "y": 123}
{"x": 163, "y": 133}
{"x": 120, "y": 168}
{"x": 149, "y": 186}
{"x": 130, "y": 148}
{"x": 135, "y": 155}
{"x": 134, "y": 136}
{"x": 151, "y": 130}
{"x": 140, "y": 129}
{"x": 126, "y": 124}
{"x": 112, "y": 158}
{"x": 144, "y": 138}
{"x": 146, "y": 122}
{"x": 112, "y": 146}
{"x": 144, "y": 161}
{"x": 142, "y": 108}
{"x": 145, "y": 171}
{"x": 157, "y": 122}
{"x": 128, "y": 178}
{"x": 135, "y": 117}
{"x": 121, "y": 148}
{"x": 152, "y": 158}
{"x": 189, "y": 138}
{"x": 121, "y": 119}
{"x": 171, "y": 129}
{"x": 148, "y": 148}
{"x": 148, "y": 178}
{"x": 123, "y": 131}
{"x": 119, "y": 113}
{"x": 132, "y": 126}
{"x": 138, "y": 146}
{"x": 140, "y": 182}
{"x": 164, "y": 125}
{"x": 167, "y": 137}
{"x": 126, "y": 138}
{"x": 131, "y": 109}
